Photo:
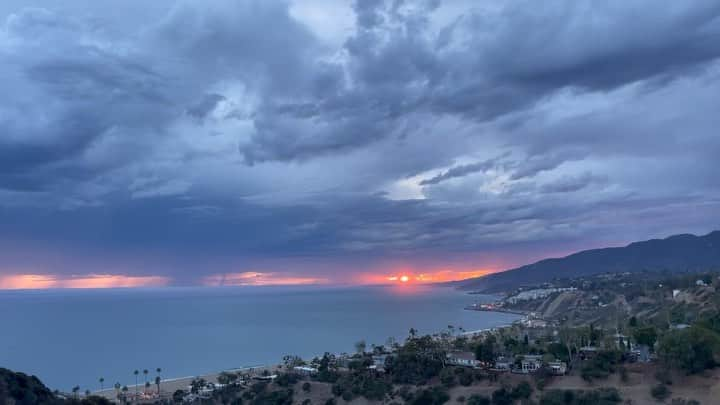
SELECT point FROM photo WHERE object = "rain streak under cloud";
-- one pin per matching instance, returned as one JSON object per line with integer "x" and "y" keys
{"x": 271, "y": 142}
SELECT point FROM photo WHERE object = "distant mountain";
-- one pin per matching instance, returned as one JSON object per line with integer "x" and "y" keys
{"x": 678, "y": 253}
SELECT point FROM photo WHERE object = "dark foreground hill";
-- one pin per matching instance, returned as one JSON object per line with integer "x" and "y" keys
{"x": 22, "y": 389}
{"x": 678, "y": 253}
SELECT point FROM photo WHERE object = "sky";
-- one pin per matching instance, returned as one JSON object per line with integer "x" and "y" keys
{"x": 152, "y": 143}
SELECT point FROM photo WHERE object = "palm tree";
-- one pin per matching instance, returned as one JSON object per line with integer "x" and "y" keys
{"x": 136, "y": 381}
{"x": 124, "y": 390}
{"x": 145, "y": 372}
{"x": 75, "y": 391}
{"x": 102, "y": 380}
{"x": 117, "y": 389}
{"x": 413, "y": 332}
{"x": 87, "y": 393}
{"x": 157, "y": 379}
{"x": 147, "y": 385}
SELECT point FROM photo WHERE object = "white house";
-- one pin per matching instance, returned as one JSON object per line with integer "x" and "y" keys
{"x": 466, "y": 359}
{"x": 530, "y": 363}
{"x": 557, "y": 367}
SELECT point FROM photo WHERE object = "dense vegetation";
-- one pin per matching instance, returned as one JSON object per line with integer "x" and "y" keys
{"x": 22, "y": 389}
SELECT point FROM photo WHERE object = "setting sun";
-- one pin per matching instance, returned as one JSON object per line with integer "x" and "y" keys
{"x": 404, "y": 279}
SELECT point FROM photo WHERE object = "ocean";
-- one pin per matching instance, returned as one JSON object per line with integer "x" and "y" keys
{"x": 74, "y": 337}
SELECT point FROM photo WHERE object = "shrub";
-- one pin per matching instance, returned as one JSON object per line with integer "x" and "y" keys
{"x": 280, "y": 397}
{"x": 683, "y": 401}
{"x": 431, "y": 396}
{"x": 600, "y": 396}
{"x": 624, "y": 377}
{"x": 447, "y": 377}
{"x": 601, "y": 366}
{"x": 522, "y": 390}
{"x": 660, "y": 392}
{"x": 287, "y": 379}
{"x": 502, "y": 396}
{"x": 663, "y": 376}
{"x": 476, "y": 399}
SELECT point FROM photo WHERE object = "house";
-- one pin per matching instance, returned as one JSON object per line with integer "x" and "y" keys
{"x": 502, "y": 364}
{"x": 270, "y": 377}
{"x": 621, "y": 341}
{"x": 466, "y": 359}
{"x": 557, "y": 367}
{"x": 588, "y": 352}
{"x": 529, "y": 363}
{"x": 305, "y": 370}
{"x": 535, "y": 323}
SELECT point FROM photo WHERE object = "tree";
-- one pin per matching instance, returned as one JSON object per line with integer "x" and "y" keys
{"x": 145, "y": 373}
{"x": 646, "y": 336}
{"x": 291, "y": 361}
{"x": 360, "y": 346}
{"x": 157, "y": 382}
{"x": 147, "y": 385}
{"x": 136, "y": 372}
{"x": 412, "y": 333}
{"x": 178, "y": 396}
{"x": 102, "y": 380}
{"x": 693, "y": 349}
{"x": 75, "y": 391}
{"x": 485, "y": 350}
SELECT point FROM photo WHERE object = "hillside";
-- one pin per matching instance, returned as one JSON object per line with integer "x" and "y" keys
{"x": 678, "y": 253}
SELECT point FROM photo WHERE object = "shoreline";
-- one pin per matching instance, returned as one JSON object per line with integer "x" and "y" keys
{"x": 170, "y": 385}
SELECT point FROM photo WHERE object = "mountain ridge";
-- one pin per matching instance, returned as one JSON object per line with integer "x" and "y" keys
{"x": 675, "y": 253}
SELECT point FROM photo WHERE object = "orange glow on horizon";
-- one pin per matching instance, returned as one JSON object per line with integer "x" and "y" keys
{"x": 432, "y": 276}
{"x": 40, "y": 281}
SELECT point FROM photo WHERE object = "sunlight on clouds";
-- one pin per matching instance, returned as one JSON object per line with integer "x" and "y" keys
{"x": 250, "y": 278}
{"x": 405, "y": 189}
{"x": 40, "y": 281}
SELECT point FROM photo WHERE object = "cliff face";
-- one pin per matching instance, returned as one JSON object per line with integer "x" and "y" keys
{"x": 679, "y": 253}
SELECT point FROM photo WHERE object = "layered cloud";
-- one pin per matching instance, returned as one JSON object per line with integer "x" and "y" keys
{"x": 319, "y": 139}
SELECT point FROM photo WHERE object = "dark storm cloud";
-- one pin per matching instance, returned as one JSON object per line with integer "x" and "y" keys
{"x": 483, "y": 66}
{"x": 241, "y": 131}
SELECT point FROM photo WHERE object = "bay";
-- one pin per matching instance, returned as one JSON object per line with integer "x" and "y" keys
{"x": 74, "y": 337}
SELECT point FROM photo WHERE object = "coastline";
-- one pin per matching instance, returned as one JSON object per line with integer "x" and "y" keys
{"x": 170, "y": 385}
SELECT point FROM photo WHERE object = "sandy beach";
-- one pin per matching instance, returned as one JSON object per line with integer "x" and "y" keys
{"x": 170, "y": 385}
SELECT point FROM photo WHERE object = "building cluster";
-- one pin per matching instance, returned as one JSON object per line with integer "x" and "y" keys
{"x": 523, "y": 364}
{"x": 536, "y": 294}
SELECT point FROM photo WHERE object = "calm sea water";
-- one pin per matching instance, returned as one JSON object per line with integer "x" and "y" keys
{"x": 69, "y": 337}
